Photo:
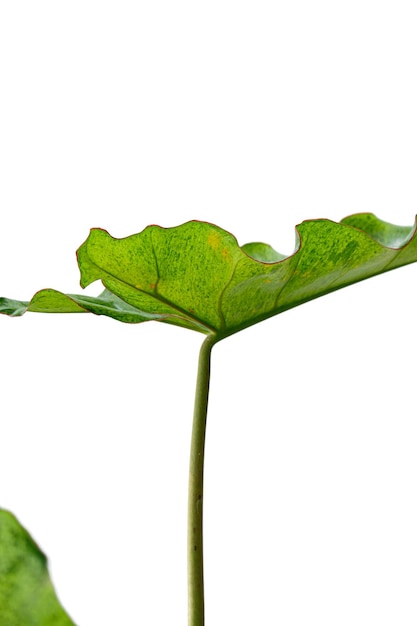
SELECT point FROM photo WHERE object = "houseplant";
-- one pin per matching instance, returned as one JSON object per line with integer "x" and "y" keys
{"x": 197, "y": 277}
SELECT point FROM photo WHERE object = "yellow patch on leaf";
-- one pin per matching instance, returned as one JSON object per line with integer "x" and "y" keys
{"x": 214, "y": 240}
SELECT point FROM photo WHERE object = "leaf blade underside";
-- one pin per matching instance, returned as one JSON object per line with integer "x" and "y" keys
{"x": 27, "y": 597}
{"x": 196, "y": 275}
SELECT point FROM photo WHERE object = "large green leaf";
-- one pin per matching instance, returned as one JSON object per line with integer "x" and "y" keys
{"x": 27, "y": 597}
{"x": 196, "y": 275}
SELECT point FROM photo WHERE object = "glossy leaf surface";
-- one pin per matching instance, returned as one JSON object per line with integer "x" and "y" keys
{"x": 196, "y": 275}
{"x": 27, "y": 597}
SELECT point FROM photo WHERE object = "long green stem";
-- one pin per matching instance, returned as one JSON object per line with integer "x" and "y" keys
{"x": 195, "y": 490}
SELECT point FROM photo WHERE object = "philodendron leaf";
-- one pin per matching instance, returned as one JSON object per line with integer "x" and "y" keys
{"x": 27, "y": 597}
{"x": 196, "y": 275}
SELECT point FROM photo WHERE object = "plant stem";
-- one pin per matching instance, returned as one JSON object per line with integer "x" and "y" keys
{"x": 195, "y": 489}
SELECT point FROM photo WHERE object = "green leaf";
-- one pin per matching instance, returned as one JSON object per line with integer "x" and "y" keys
{"x": 196, "y": 275}
{"x": 27, "y": 597}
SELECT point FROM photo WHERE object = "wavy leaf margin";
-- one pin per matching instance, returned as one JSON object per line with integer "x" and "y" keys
{"x": 197, "y": 276}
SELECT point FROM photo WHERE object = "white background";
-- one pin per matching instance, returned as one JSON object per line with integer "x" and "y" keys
{"x": 254, "y": 116}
